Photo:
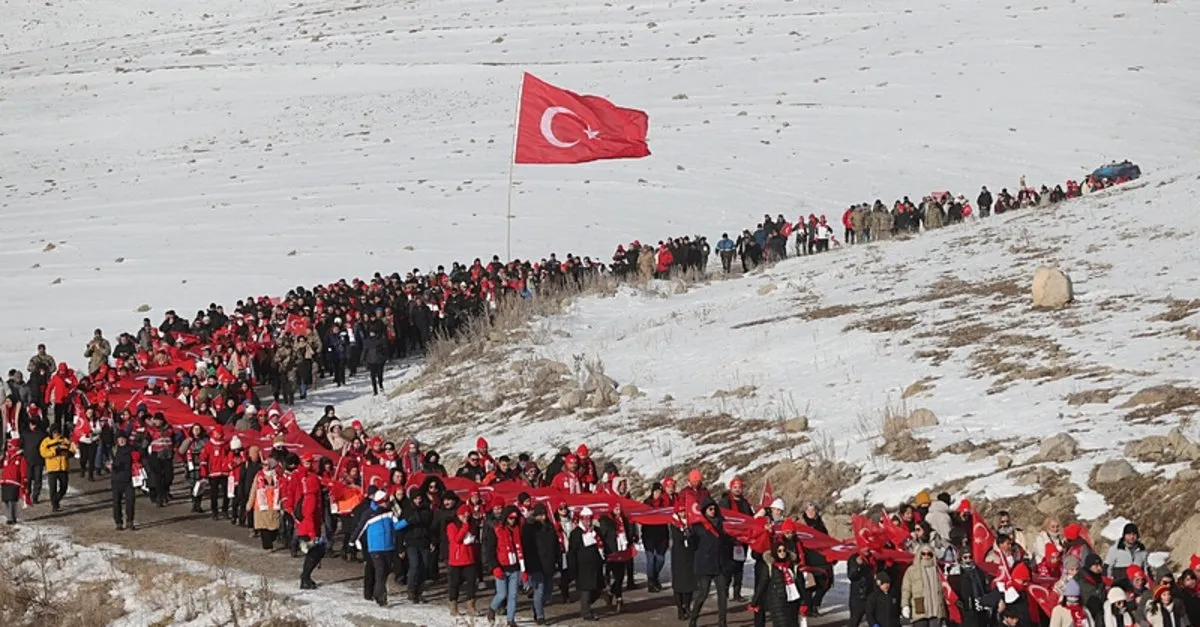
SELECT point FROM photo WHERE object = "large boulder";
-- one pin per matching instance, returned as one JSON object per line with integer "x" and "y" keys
{"x": 1114, "y": 471}
{"x": 1184, "y": 541}
{"x": 1058, "y": 448}
{"x": 1055, "y": 505}
{"x": 1051, "y": 288}
{"x": 922, "y": 417}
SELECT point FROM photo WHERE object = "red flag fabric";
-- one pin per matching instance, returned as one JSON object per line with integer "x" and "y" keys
{"x": 559, "y": 126}
{"x": 375, "y": 475}
{"x": 296, "y": 325}
{"x": 951, "y": 597}
{"x": 1042, "y": 592}
{"x": 896, "y": 534}
{"x": 224, "y": 376}
{"x": 768, "y": 497}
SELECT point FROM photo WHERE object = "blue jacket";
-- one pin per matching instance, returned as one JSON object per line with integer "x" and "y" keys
{"x": 725, "y": 244}
{"x": 377, "y": 528}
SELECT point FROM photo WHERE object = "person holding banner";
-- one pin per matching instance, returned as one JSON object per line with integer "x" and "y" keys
{"x": 585, "y": 561}
{"x": 619, "y": 536}
{"x": 782, "y": 592}
{"x": 734, "y": 500}
{"x": 503, "y": 556}
{"x": 124, "y": 467}
{"x": 462, "y": 536}
{"x": 542, "y": 556}
{"x": 264, "y": 503}
{"x": 215, "y": 465}
{"x": 713, "y": 562}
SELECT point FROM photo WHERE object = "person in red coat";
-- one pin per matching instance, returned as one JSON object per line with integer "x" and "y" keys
{"x": 14, "y": 473}
{"x": 58, "y": 393}
{"x": 568, "y": 479}
{"x": 462, "y": 535}
{"x": 587, "y": 469}
{"x": 307, "y": 508}
{"x": 663, "y": 260}
{"x": 216, "y": 461}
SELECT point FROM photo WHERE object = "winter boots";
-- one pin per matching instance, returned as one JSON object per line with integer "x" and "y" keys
{"x": 454, "y": 609}
{"x": 312, "y": 560}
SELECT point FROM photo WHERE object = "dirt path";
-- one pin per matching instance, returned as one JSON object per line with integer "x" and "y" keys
{"x": 174, "y": 530}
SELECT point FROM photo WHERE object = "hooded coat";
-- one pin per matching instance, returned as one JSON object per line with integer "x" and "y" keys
{"x": 921, "y": 590}
{"x": 712, "y": 546}
{"x": 683, "y": 570}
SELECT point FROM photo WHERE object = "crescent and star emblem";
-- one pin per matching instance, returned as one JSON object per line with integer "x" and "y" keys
{"x": 547, "y": 127}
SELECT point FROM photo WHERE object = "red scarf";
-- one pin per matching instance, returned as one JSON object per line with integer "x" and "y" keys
{"x": 1079, "y": 616}
{"x": 786, "y": 570}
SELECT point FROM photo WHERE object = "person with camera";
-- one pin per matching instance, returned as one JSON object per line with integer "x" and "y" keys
{"x": 57, "y": 451}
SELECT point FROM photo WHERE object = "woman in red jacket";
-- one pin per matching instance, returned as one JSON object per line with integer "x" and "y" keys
{"x": 13, "y": 477}
{"x": 463, "y": 560}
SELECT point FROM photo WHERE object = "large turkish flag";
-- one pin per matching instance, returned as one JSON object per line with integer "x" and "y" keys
{"x": 559, "y": 126}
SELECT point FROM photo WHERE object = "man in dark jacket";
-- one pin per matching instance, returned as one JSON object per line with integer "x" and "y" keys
{"x": 375, "y": 353}
{"x": 416, "y": 539}
{"x": 861, "y": 574}
{"x": 735, "y": 501}
{"x": 31, "y": 448}
{"x": 542, "y": 557}
{"x": 1091, "y": 584}
{"x": 713, "y": 563}
{"x": 656, "y": 540}
{"x": 124, "y": 458}
{"x": 883, "y": 609}
{"x": 985, "y": 202}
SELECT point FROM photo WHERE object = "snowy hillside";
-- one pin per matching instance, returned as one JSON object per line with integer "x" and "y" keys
{"x": 176, "y": 156}
{"x": 942, "y": 322}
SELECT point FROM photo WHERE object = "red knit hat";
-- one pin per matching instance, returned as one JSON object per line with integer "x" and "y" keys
{"x": 1135, "y": 571}
{"x": 1072, "y": 531}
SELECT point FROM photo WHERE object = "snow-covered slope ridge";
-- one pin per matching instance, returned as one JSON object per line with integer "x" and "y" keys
{"x": 942, "y": 322}
{"x": 177, "y": 155}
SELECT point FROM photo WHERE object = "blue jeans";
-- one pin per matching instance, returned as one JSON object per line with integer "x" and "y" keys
{"x": 417, "y": 568}
{"x": 655, "y": 560}
{"x": 538, "y": 582}
{"x": 506, "y": 588}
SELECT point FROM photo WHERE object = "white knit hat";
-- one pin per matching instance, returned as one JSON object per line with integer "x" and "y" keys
{"x": 585, "y": 512}
{"x": 777, "y": 504}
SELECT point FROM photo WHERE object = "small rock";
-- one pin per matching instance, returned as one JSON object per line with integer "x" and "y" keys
{"x": 1051, "y": 288}
{"x": 49, "y": 247}
{"x": 56, "y": 281}
{"x": 570, "y": 400}
{"x": 1058, "y": 448}
{"x": 1114, "y": 471}
{"x": 630, "y": 390}
{"x": 667, "y": 398}
{"x": 796, "y": 425}
{"x": 922, "y": 417}
{"x": 1055, "y": 505}
{"x": 1004, "y": 462}
{"x": 292, "y": 253}
{"x": 119, "y": 260}
{"x": 599, "y": 382}
{"x": 143, "y": 308}
{"x": 766, "y": 289}
{"x": 978, "y": 455}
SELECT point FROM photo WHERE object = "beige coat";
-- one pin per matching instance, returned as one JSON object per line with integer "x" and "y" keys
{"x": 265, "y": 499}
{"x": 1061, "y": 617}
{"x": 923, "y": 602}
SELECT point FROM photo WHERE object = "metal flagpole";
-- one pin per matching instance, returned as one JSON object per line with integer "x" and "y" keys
{"x": 508, "y": 216}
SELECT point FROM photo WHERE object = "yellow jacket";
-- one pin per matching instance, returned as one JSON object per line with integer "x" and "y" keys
{"x": 56, "y": 462}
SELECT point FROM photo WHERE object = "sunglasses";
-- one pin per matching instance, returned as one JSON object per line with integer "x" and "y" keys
{"x": 926, "y": 554}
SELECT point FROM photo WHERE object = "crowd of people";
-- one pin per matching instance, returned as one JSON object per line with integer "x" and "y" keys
{"x": 321, "y": 501}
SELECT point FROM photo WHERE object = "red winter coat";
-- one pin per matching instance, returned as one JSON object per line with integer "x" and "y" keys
{"x": 848, "y": 219}
{"x": 15, "y": 472}
{"x": 60, "y": 387}
{"x": 665, "y": 259}
{"x": 567, "y": 482}
{"x": 587, "y": 474}
{"x": 509, "y": 551}
{"x": 461, "y": 552}
{"x": 216, "y": 460}
{"x": 308, "y": 505}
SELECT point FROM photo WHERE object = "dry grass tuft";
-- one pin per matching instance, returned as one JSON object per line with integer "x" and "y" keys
{"x": 890, "y": 323}
{"x": 832, "y": 311}
{"x": 1160, "y": 400}
{"x": 1177, "y": 310}
{"x": 924, "y": 385}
